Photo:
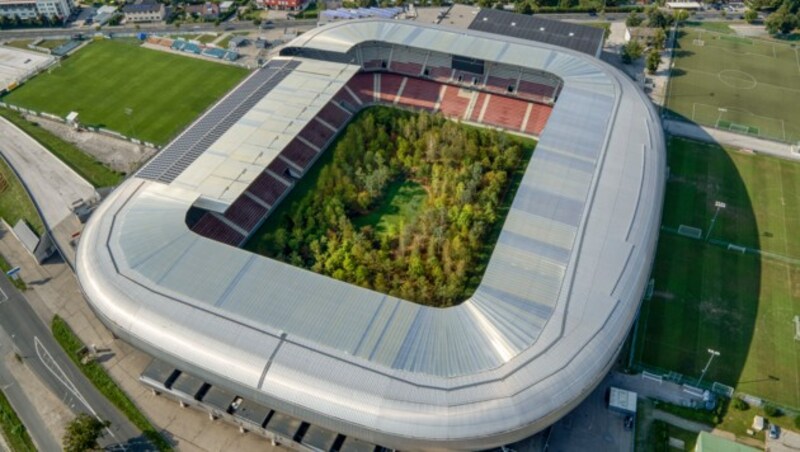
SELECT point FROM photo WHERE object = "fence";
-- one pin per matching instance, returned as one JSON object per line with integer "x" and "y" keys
{"x": 100, "y": 130}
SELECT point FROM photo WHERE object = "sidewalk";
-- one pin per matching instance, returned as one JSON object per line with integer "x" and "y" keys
{"x": 53, "y": 289}
{"x": 53, "y": 185}
{"x": 697, "y": 132}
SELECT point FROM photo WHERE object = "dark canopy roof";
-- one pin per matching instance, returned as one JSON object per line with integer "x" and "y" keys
{"x": 565, "y": 34}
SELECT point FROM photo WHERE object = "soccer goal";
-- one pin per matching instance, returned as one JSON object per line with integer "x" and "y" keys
{"x": 698, "y": 42}
{"x": 689, "y": 231}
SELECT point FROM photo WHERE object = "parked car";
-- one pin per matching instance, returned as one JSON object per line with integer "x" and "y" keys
{"x": 774, "y": 431}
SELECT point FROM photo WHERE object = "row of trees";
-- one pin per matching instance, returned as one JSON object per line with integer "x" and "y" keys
{"x": 438, "y": 257}
{"x": 38, "y": 21}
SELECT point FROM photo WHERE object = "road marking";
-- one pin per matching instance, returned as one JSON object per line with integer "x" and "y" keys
{"x": 4, "y": 297}
{"x": 50, "y": 363}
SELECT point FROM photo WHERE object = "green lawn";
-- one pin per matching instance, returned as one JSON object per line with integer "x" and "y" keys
{"x": 708, "y": 297}
{"x": 735, "y": 83}
{"x": 14, "y": 431}
{"x": 14, "y": 201}
{"x": 206, "y": 38}
{"x": 103, "y": 382}
{"x": 19, "y": 43}
{"x": 719, "y": 27}
{"x": 401, "y": 206}
{"x": 164, "y": 91}
{"x": 90, "y": 169}
{"x": 53, "y": 43}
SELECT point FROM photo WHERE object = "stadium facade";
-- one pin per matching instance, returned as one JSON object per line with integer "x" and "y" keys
{"x": 560, "y": 294}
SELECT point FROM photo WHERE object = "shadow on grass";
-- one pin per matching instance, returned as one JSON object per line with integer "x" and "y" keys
{"x": 705, "y": 296}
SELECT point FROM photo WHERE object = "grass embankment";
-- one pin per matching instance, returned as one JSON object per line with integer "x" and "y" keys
{"x": 103, "y": 382}
{"x": 86, "y": 166}
{"x": 121, "y": 86}
{"x": 14, "y": 432}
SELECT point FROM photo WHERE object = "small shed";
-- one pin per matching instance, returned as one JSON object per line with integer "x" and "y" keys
{"x": 759, "y": 423}
{"x": 237, "y": 41}
{"x": 622, "y": 401}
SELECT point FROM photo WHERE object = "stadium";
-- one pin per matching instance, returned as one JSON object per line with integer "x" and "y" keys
{"x": 160, "y": 263}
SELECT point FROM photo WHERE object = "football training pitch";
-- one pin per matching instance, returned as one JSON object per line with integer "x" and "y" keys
{"x": 745, "y": 85}
{"x": 121, "y": 86}
{"x": 707, "y": 295}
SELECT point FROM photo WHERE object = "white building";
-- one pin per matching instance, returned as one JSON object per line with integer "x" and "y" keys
{"x": 30, "y": 9}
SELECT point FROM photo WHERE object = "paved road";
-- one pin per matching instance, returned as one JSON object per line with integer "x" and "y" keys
{"x": 592, "y": 426}
{"x": 36, "y": 426}
{"x": 156, "y": 28}
{"x": 697, "y": 132}
{"x": 52, "y": 184}
{"x": 34, "y": 342}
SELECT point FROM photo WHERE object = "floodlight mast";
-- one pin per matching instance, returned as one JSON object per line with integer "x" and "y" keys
{"x": 712, "y": 353}
{"x": 719, "y": 206}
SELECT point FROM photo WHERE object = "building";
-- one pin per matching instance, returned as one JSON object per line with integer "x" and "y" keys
{"x": 622, "y": 401}
{"x": 645, "y": 35}
{"x": 30, "y": 9}
{"x": 104, "y": 14}
{"x": 144, "y": 12}
{"x": 292, "y": 5}
{"x": 160, "y": 261}
{"x": 573, "y": 36}
{"x": 207, "y": 10}
{"x": 226, "y": 6}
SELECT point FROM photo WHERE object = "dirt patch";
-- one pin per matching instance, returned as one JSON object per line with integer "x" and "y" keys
{"x": 119, "y": 155}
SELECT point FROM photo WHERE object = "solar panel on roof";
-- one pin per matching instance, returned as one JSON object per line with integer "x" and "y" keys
{"x": 185, "y": 149}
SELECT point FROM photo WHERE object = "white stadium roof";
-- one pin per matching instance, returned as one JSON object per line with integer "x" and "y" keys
{"x": 554, "y": 307}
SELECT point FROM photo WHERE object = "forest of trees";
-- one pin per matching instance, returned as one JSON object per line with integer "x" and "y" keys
{"x": 439, "y": 256}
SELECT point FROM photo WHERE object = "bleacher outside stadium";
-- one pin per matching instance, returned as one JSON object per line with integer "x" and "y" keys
{"x": 560, "y": 293}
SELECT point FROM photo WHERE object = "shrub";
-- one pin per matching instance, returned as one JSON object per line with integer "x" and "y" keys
{"x": 740, "y": 404}
{"x": 771, "y": 410}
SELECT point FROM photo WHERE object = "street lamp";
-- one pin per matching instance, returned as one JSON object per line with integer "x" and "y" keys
{"x": 719, "y": 205}
{"x": 713, "y": 353}
{"x": 129, "y": 114}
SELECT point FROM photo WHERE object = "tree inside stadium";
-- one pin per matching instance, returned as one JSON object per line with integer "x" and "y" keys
{"x": 408, "y": 204}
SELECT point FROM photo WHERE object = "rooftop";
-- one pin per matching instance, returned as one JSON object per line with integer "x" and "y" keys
{"x": 564, "y": 34}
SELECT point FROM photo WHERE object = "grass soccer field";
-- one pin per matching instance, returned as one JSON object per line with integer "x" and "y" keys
{"x": 164, "y": 92}
{"x": 736, "y": 83}
{"x": 707, "y": 296}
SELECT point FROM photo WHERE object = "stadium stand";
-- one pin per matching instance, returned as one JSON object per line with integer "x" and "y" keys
{"x": 455, "y": 101}
{"x": 363, "y": 86}
{"x": 316, "y": 134}
{"x": 299, "y": 153}
{"x": 267, "y": 188}
{"x": 538, "y": 119}
{"x": 418, "y": 93}
{"x": 245, "y": 212}
{"x": 504, "y": 112}
{"x": 334, "y": 115}
{"x": 212, "y": 227}
{"x": 389, "y": 87}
